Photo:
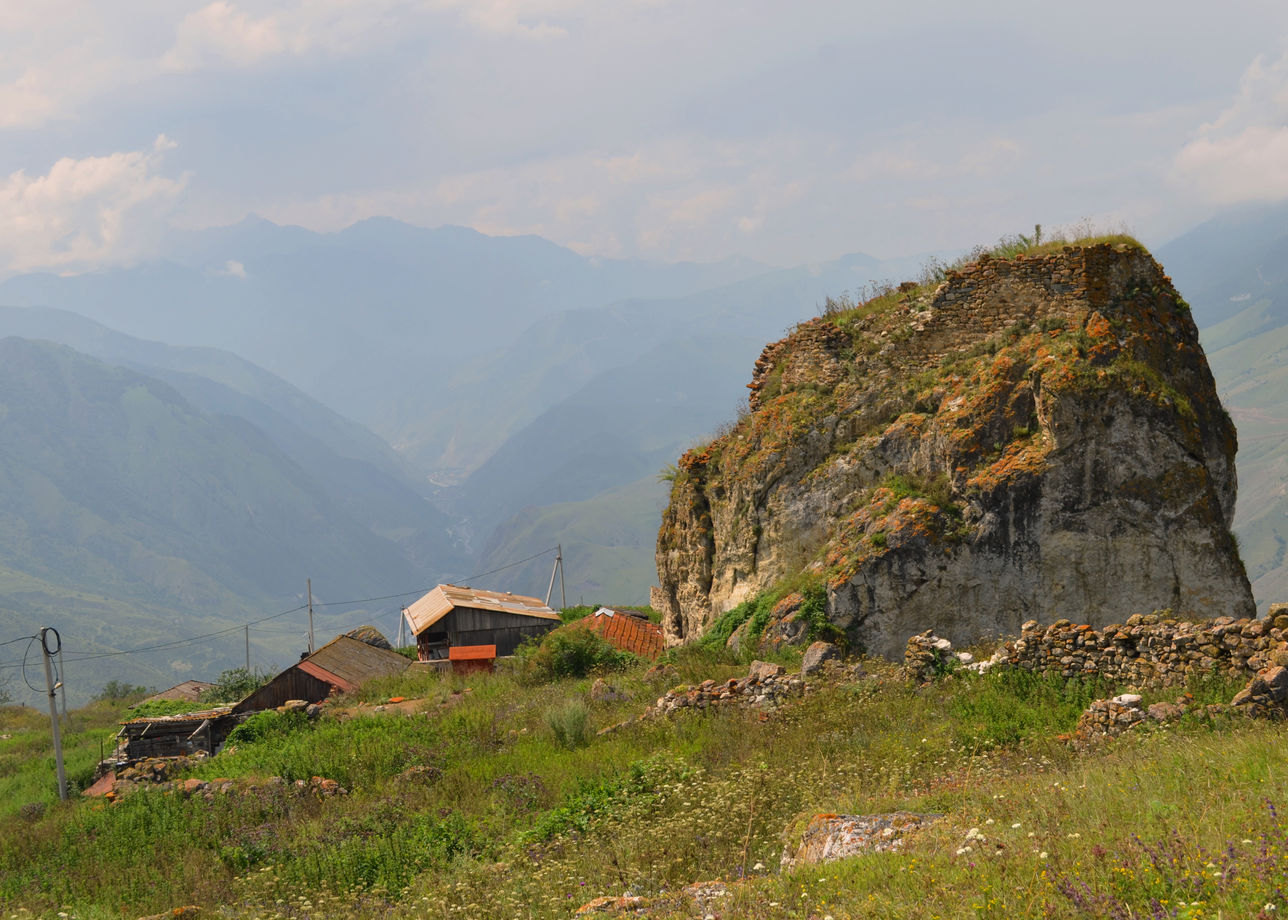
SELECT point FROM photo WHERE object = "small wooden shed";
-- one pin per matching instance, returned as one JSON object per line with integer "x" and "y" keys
{"x": 452, "y": 616}
{"x": 344, "y": 664}
{"x": 177, "y": 735}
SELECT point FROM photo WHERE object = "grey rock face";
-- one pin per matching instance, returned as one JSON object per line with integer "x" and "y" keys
{"x": 1035, "y": 439}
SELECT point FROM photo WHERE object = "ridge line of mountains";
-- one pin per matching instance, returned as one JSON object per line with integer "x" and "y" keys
{"x": 389, "y": 407}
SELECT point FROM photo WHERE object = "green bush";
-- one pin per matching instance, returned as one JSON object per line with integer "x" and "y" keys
{"x": 569, "y": 653}
{"x": 235, "y": 684}
{"x": 115, "y": 691}
{"x": 267, "y": 724}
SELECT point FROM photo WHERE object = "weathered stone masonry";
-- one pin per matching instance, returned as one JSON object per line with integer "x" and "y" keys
{"x": 1149, "y": 651}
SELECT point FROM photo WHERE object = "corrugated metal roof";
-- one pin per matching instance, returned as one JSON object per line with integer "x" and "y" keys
{"x": 349, "y": 663}
{"x": 625, "y": 631}
{"x": 438, "y": 603}
{"x": 471, "y": 652}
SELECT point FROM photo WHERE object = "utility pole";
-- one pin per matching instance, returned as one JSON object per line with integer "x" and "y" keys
{"x": 247, "y": 648}
{"x": 49, "y": 653}
{"x": 558, "y": 569}
{"x": 310, "y": 584}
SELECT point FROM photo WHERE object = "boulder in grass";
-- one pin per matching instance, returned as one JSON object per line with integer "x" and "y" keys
{"x": 828, "y": 837}
{"x": 817, "y": 655}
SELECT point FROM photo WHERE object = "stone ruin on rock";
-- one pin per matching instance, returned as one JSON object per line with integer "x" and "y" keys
{"x": 1036, "y": 438}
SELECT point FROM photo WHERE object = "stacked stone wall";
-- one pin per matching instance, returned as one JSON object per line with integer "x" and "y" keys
{"x": 972, "y": 305}
{"x": 1149, "y": 650}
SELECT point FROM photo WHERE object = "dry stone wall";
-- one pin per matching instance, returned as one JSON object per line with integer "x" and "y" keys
{"x": 1149, "y": 651}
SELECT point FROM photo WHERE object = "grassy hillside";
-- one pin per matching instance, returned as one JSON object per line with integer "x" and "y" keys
{"x": 607, "y": 540}
{"x": 494, "y": 797}
{"x": 1234, "y": 271}
{"x": 129, "y": 517}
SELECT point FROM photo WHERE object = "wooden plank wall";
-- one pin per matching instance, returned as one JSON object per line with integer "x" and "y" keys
{"x": 291, "y": 684}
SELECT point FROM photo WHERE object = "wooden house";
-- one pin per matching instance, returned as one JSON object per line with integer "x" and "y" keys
{"x": 452, "y": 616}
{"x": 342, "y": 665}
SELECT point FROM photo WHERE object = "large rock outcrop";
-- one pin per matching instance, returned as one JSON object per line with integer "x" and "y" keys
{"x": 1034, "y": 438}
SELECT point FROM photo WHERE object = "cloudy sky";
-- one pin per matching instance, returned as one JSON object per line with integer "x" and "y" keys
{"x": 662, "y": 129}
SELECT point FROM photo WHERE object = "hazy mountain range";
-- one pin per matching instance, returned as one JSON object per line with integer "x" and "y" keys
{"x": 386, "y": 407}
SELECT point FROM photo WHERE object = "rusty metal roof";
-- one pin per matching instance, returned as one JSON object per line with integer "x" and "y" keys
{"x": 438, "y": 603}
{"x": 625, "y": 630}
{"x": 349, "y": 663}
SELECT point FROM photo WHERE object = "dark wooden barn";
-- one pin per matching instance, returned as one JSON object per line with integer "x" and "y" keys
{"x": 175, "y": 736}
{"x": 342, "y": 665}
{"x": 451, "y": 616}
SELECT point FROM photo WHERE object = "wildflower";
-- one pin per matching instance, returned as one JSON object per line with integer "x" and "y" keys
{"x": 1042, "y": 855}
{"x": 1015, "y": 826}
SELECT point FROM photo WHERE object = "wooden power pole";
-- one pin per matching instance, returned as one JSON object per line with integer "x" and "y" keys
{"x": 48, "y": 653}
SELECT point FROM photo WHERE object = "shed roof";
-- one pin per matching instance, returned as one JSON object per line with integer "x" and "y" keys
{"x": 441, "y": 601}
{"x": 180, "y": 719}
{"x": 625, "y": 630}
{"x": 190, "y": 690}
{"x": 348, "y": 663}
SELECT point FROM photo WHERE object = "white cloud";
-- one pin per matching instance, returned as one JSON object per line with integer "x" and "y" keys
{"x": 86, "y": 213}
{"x": 220, "y": 31}
{"x": 526, "y": 18}
{"x": 1243, "y": 154}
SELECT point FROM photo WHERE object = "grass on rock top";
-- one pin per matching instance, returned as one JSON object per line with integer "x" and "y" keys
{"x": 499, "y": 818}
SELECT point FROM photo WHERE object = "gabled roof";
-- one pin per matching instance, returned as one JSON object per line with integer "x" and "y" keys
{"x": 349, "y": 663}
{"x": 189, "y": 690}
{"x": 625, "y": 630}
{"x": 438, "y": 603}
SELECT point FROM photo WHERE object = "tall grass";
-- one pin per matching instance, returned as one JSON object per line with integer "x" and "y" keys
{"x": 502, "y": 816}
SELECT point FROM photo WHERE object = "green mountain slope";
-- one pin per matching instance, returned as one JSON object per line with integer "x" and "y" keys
{"x": 1234, "y": 271}
{"x": 128, "y": 516}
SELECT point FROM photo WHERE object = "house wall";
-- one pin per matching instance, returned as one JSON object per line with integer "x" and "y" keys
{"x": 291, "y": 684}
{"x": 471, "y": 626}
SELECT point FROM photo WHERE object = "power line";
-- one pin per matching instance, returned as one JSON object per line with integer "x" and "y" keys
{"x": 175, "y": 643}
{"x": 390, "y": 597}
{"x": 178, "y": 642}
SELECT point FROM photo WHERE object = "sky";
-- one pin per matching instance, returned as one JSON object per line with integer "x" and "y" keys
{"x": 656, "y": 129}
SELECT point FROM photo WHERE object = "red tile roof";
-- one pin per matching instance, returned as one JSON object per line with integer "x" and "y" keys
{"x": 625, "y": 630}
